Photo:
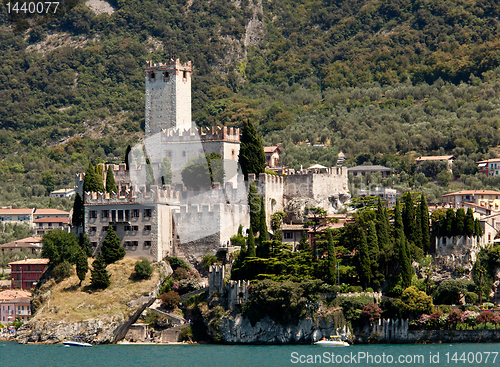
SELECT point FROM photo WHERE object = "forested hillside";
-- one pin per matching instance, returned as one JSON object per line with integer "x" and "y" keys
{"x": 377, "y": 79}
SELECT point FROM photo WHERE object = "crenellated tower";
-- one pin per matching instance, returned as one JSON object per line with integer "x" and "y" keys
{"x": 168, "y": 96}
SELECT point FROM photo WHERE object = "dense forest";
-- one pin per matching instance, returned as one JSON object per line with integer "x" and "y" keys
{"x": 383, "y": 81}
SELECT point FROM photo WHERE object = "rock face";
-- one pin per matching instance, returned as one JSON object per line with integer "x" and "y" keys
{"x": 236, "y": 329}
{"x": 97, "y": 331}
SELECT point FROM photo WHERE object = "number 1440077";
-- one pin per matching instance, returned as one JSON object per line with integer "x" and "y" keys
{"x": 471, "y": 357}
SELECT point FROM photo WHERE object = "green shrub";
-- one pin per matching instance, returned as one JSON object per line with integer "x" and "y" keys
{"x": 175, "y": 263}
{"x": 209, "y": 260}
{"x": 170, "y": 299}
{"x": 62, "y": 271}
{"x": 471, "y": 298}
{"x": 143, "y": 269}
{"x": 186, "y": 334}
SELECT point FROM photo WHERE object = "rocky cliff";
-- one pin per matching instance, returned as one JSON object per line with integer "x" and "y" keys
{"x": 235, "y": 329}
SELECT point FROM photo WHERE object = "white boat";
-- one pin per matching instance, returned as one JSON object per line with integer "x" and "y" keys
{"x": 72, "y": 343}
{"x": 333, "y": 341}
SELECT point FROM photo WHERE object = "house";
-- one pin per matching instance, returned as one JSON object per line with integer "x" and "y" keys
{"x": 272, "y": 156}
{"x": 448, "y": 159}
{"x": 489, "y": 167}
{"x": 10, "y": 215}
{"x": 63, "y": 193}
{"x": 26, "y": 273}
{"x": 50, "y": 213}
{"x": 485, "y": 198}
{"x": 34, "y": 244}
{"x": 363, "y": 170}
{"x": 14, "y": 304}
{"x": 46, "y": 224}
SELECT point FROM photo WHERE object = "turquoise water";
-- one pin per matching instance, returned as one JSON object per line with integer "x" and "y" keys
{"x": 14, "y": 355}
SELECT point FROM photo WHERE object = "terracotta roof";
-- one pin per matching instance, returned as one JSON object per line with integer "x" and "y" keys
{"x": 16, "y": 211}
{"x": 50, "y": 211}
{"x": 473, "y": 192}
{"x": 52, "y": 220}
{"x": 435, "y": 158}
{"x": 24, "y": 244}
{"x": 489, "y": 160}
{"x": 11, "y": 294}
{"x": 30, "y": 262}
{"x": 271, "y": 149}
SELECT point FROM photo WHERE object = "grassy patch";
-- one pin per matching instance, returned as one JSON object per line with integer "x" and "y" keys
{"x": 70, "y": 302}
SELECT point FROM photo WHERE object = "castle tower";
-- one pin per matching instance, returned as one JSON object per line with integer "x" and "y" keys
{"x": 168, "y": 96}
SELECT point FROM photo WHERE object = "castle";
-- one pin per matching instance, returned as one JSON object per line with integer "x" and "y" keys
{"x": 157, "y": 220}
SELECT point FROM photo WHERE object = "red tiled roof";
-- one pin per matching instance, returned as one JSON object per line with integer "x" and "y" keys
{"x": 30, "y": 262}
{"x": 50, "y": 211}
{"x": 271, "y": 149}
{"x": 11, "y": 294}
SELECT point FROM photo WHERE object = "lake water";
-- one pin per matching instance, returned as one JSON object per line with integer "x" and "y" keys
{"x": 14, "y": 355}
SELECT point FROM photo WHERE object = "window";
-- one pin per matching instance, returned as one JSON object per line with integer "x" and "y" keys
{"x": 135, "y": 243}
{"x": 288, "y": 235}
{"x": 184, "y": 74}
{"x": 93, "y": 214}
{"x": 93, "y": 229}
{"x": 135, "y": 228}
{"x": 104, "y": 213}
{"x": 135, "y": 213}
{"x": 105, "y": 228}
{"x": 127, "y": 243}
{"x": 127, "y": 215}
{"x": 115, "y": 228}
{"x": 94, "y": 244}
{"x": 127, "y": 228}
{"x": 147, "y": 243}
{"x": 120, "y": 215}
{"x": 147, "y": 228}
{"x": 147, "y": 212}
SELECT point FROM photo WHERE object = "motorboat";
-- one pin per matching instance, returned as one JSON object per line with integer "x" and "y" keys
{"x": 333, "y": 341}
{"x": 75, "y": 343}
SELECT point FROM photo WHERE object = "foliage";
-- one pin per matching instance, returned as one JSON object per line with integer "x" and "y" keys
{"x": 252, "y": 158}
{"x": 254, "y": 206}
{"x": 100, "y": 277}
{"x": 176, "y": 263}
{"x": 250, "y": 245}
{"x": 170, "y": 299}
{"x": 203, "y": 171}
{"x": 209, "y": 260}
{"x": 17, "y": 323}
{"x": 82, "y": 265}
{"x": 111, "y": 248}
{"x": 110, "y": 181}
{"x": 284, "y": 302}
{"x": 352, "y": 307}
{"x": 416, "y": 302}
{"x": 263, "y": 248}
{"x": 78, "y": 211}
{"x": 371, "y": 312}
{"x": 450, "y": 291}
{"x": 84, "y": 242}
{"x": 62, "y": 271}
{"x": 166, "y": 171}
{"x": 59, "y": 246}
{"x": 143, "y": 269}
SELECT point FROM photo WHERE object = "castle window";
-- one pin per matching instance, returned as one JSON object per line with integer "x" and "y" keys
{"x": 135, "y": 243}
{"x": 93, "y": 214}
{"x": 152, "y": 75}
{"x": 233, "y": 152}
{"x": 127, "y": 243}
{"x": 93, "y": 229}
{"x": 184, "y": 74}
{"x": 115, "y": 228}
{"x": 104, "y": 213}
{"x": 166, "y": 75}
{"x": 127, "y": 228}
{"x": 147, "y": 212}
{"x": 147, "y": 228}
{"x": 184, "y": 153}
{"x": 287, "y": 235}
{"x": 135, "y": 213}
{"x": 105, "y": 228}
{"x": 135, "y": 228}
{"x": 147, "y": 243}
{"x": 94, "y": 244}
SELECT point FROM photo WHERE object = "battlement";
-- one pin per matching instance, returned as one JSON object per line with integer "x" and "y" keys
{"x": 172, "y": 65}
{"x": 156, "y": 195}
{"x": 204, "y": 134}
{"x": 192, "y": 210}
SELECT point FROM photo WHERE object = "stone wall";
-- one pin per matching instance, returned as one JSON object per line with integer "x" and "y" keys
{"x": 457, "y": 250}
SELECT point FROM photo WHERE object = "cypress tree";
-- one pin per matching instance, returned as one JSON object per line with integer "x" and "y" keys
{"x": 150, "y": 177}
{"x": 82, "y": 265}
{"x": 264, "y": 234}
{"x": 304, "y": 245}
{"x": 332, "y": 259}
{"x": 84, "y": 242}
{"x": 78, "y": 211}
{"x": 450, "y": 223}
{"x": 373, "y": 247}
{"x": 166, "y": 171}
{"x": 250, "y": 245}
{"x": 110, "y": 181}
{"x": 418, "y": 226}
{"x": 405, "y": 262}
{"x": 111, "y": 249}
{"x": 254, "y": 204}
{"x": 382, "y": 226}
{"x": 460, "y": 220}
{"x": 398, "y": 222}
{"x": 426, "y": 232}
{"x": 99, "y": 274}
{"x": 88, "y": 181}
{"x": 99, "y": 179}
{"x": 252, "y": 158}
{"x": 470, "y": 225}
{"x": 478, "y": 230}
{"x": 408, "y": 216}
{"x": 364, "y": 260}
